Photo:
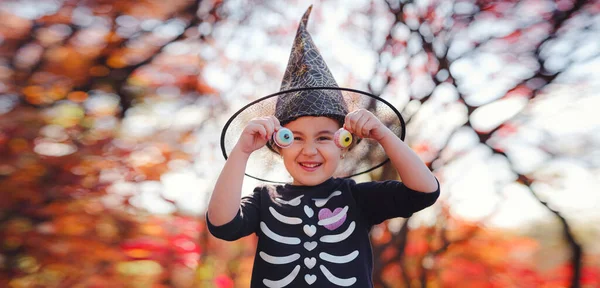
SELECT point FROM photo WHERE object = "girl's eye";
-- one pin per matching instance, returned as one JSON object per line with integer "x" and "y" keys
{"x": 324, "y": 138}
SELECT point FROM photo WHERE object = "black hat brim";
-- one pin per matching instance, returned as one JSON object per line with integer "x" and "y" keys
{"x": 266, "y": 165}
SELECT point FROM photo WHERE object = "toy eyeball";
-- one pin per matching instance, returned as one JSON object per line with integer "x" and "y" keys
{"x": 342, "y": 138}
{"x": 283, "y": 138}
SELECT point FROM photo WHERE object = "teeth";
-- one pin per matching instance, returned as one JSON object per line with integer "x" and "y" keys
{"x": 310, "y": 165}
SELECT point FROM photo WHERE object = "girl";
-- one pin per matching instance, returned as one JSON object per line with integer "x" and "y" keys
{"x": 315, "y": 230}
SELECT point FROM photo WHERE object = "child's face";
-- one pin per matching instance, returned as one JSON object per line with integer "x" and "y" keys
{"x": 313, "y": 157}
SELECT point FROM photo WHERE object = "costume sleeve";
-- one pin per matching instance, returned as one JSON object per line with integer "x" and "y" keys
{"x": 382, "y": 200}
{"x": 245, "y": 222}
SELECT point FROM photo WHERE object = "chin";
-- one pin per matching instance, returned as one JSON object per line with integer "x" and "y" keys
{"x": 310, "y": 181}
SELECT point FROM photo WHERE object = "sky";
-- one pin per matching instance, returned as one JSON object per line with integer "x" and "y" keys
{"x": 248, "y": 63}
{"x": 477, "y": 187}
{"x": 470, "y": 184}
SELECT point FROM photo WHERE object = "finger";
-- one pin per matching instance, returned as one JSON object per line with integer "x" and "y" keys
{"x": 276, "y": 123}
{"x": 367, "y": 127}
{"x": 350, "y": 122}
{"x": 270, "y": 126}
{"x": 358, "y": 124}
{"x": 267, "y": 123}
{"x": 259, "y": 129}
{"x": 347, "y": 120}
{"x": 263, "y": 132}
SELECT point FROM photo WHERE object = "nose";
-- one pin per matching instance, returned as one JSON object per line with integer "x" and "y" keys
{"x": 309, "y": 149}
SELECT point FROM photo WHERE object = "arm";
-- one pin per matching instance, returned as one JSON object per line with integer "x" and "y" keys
{"x": 246, "y": 219}
{"x": 413, "y": 172}
{"x": 225, "y": 200}
{"x": 383, "y": 200}
{"x": 221, "y": 208}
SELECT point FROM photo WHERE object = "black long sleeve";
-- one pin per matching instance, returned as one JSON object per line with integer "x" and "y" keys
{"x": 244, "y": 223}
{"x": 382, "y": 200}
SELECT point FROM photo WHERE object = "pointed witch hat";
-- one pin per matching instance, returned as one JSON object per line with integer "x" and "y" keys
{"x": 309, "y": 89}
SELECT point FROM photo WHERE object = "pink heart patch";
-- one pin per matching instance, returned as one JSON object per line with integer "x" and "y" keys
{"x": 327, "y": 214}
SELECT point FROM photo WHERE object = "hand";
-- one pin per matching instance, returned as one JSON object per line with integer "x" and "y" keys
{"x": 257, "y": 133}
{"x": 363, "y": 124}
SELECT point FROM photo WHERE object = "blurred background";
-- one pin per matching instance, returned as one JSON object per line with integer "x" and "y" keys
{"x": 111, "y": 114}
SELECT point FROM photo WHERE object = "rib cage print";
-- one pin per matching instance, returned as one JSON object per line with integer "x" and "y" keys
{"x": 303, "y": 253}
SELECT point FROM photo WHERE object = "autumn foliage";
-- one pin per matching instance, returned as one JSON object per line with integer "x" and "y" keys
{"x": 99, "y": 100}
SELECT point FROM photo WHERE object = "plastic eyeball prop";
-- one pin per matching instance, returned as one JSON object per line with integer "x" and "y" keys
{"x": 342, "y": 138}
{"x": 283, "y": 138}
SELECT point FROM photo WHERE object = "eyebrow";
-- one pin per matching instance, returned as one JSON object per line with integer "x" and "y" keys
{"x": 318, "y": 133}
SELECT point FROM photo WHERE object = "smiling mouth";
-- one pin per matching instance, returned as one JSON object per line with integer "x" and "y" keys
{"x": 310, "y": 165}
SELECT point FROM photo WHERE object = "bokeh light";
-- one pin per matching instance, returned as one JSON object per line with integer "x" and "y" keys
{"x": 111, "y": 112}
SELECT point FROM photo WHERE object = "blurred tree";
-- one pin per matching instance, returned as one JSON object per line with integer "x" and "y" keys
{"x": 69, "y": 72}
{"x": 439, "y": 44}
{"x": 101, "y": 100}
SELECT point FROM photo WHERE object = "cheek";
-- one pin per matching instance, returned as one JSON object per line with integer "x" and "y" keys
{"x": 332, "y": 153}
{"x": 289, "y": 154}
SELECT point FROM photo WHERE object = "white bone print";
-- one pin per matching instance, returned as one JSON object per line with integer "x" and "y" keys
{"x": 336, "y": 218}
{"x": 279, "y": 260}
{"x": 339, "y": 237}
{"x": 308, "y": 211}
{"x": 328, "y": 221}
{"x": 282, "y": 260}
{"x": 283, "y": 282}
{"x": 335, "y": 280}
{"x": 322, "y": 202}
{"x": 278, "y": 238}
{"x": 284, "y": 219}
{"x": 293, "y": 202}
{"x": 338, "y": 259}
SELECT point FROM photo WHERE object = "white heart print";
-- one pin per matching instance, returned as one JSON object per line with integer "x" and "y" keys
{"x": 310, "y": 262}
{"x": 308, "y": 211}
{"x": 310, "y": 245}
{"x": 310, "y": 230}
{"x": 310, "y": 279}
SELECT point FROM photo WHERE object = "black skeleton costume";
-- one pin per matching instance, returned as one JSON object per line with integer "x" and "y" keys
{"x": 316, "y": 236}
